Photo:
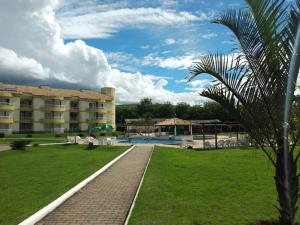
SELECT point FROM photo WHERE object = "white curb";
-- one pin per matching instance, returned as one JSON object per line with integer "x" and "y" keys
{"x": 138, "y": 190}
{"x": 53, "y": 205}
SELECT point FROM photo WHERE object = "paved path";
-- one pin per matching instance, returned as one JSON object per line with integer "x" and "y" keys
{"x": 106, "y": 199}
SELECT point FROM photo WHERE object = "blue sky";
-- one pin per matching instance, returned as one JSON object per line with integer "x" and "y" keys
{"x": 142, "y": 48}
{"x": 128, "y": 48}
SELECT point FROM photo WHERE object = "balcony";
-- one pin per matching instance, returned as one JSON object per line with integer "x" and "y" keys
{"x": 6, "y": 119}
{"x": 6, "y": 131}
{"x": 54, "y": 107}
{"x": 57, "y": 130}
{"x": 55, "y": 120}
{"x": 74, "y": 109}
{"x": 26, "y": 119}
{"x": 6, "y": 106}
{"x": 96, "y": 120}
{"x": 99, "y": 109}
{"x": 26, "y": 107}
{"x": 74, "y": 120}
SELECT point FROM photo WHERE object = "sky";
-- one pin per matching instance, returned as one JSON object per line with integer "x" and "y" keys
{"x": 142, "y": 48}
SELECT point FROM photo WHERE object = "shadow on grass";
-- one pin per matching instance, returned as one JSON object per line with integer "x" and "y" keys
{"x": 268, "y": 222}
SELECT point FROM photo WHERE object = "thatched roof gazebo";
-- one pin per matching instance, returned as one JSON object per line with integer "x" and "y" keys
{"x": 175, "y": 122}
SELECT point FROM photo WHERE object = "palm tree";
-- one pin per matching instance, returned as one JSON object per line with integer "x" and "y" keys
{"x": 256, "y": 82}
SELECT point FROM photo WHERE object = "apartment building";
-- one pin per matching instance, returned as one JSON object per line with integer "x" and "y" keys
{"x": 26, "y": 109}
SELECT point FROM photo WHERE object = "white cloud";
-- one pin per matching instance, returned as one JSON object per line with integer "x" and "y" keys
{"x": 195, "y": 85}
{"x": 22, "y": 65}
{"x": 94, "y": 20}
{"x": 170, "y": 41}
{"x": 179, "y": 62}
{"x": 123, "y": 61}
{"x": 209, "y": 36}
{"x": 145, "y": 46}
{"x": 33, "y": 51}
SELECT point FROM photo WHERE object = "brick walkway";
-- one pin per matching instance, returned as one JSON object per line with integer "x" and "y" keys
{"x": 107, "y": 199}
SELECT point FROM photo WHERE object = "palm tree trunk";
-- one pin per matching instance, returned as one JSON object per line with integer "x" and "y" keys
{"x": 287, "y": 187}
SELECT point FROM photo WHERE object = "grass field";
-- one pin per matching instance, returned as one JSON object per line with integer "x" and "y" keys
{"x": 233, "y": 187}
{"x": 36, "y": 138}
{"x": 40, "y": 138}
{"x": 33, "y": 178}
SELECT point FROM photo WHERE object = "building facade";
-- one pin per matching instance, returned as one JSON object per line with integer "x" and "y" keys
{"x": 27, "y": 109}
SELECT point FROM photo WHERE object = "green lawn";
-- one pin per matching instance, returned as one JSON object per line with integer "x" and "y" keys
{"x": 36, "y": 138}
{"x": 40, "y": 138}
{"x": 233, "y": 187}
{"x": 33, "y": 178}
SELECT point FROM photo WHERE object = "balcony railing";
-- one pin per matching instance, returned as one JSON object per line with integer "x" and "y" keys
{"x": 6, "y": 131}
{"x": 96, "y": 120}
{"x": 96, "y": 107}
{"x": 54, "y": 117}
{"x": 55, "y": 130}
{"x": 54, "y": 105}
{"x": 26, "y": 105}
{"x": 6, "y": 103}
{"x": 6, "y": 117}
{"x": 25, "y": 117}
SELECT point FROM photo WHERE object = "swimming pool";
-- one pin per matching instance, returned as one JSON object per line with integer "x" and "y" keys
{"x": 149, "y": 141}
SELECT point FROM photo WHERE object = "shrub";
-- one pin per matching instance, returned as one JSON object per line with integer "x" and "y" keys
{"x": 2, "y": 135}
{"x": 19, "y": 144}
{"x": 116, "y": 134}
{"x": 29, "y": 135}
{"x": 91, "y": 146}
{"x": 35, "y": 145}
{"x": 102, "y": 134}
{"x": 81, "y": 135}
{"x": 57, "y": 135}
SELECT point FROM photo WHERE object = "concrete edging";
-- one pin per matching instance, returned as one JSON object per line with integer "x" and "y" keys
{"x": 138, "y": 190}
{"x": 36, "y": 217}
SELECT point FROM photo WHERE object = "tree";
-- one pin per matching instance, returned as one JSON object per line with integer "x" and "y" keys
{"x": 165, "y": 110}
{"x": 145, "y": 107}
{"x": 252, "y": 84}
{"x": 183, "y": 110}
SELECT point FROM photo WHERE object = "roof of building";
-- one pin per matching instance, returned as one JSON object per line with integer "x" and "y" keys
{"x": 173, "y": 122}
{"x": 142, "y": 121}
{"x": 55, "y": 92}
{"x": 205, "y": 121}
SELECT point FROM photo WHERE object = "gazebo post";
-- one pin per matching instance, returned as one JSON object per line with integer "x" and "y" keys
{"x": 203, "y": 136}
{"x": 175, "y": 131}
{"x": 191, "y": 130}
{"x": 216, "y": 137}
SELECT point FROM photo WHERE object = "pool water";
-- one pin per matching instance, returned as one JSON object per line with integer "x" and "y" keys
{"x": 149, "y": 141}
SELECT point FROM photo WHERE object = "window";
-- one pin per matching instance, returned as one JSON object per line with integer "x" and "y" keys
{"x": 53, "y": 115}
{"x": 54, "y": 103}
{"x": 26, "y": 102}
{"x": 94, "y": 105}
{"x": 73, "y": 115}
{"x": 74, "y": 105}
{"x": 4, "y": 126}
{"x": 4, "y": 114}
{"x": 25, "y": 115}
{"x": 5, "y": 101}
